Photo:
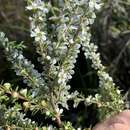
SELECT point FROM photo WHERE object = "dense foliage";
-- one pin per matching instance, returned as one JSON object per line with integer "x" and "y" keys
{"x": 60, "y": 30}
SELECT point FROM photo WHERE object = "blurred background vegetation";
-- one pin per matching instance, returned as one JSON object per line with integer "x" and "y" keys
{"x": 111, "y": 32}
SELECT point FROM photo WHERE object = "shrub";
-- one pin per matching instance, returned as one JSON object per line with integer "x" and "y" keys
{"x": 59, "y": 29}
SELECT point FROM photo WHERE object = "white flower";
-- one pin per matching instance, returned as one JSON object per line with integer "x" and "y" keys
{"x": 88, "y": 99}
{"x": 47, "y": 113}
{"x": 69, "y": 96}
{"x": 71, "y": 41}
{"x": 97, "y": 6}
{"x": 48, "y": 57}
{"x": 118, "y": 91}
{"x": 61, "y": 111}
{"x": 91, "y": 4}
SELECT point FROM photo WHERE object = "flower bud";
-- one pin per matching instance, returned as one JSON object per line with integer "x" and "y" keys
{"x": 23, "y": 71}
{"x": 7, "y": 85}
{"x": 15, "y": 95}
{"x": 43, "y": 103}
{"x": 26, "y": 104}
{"x": 23, "y": 92}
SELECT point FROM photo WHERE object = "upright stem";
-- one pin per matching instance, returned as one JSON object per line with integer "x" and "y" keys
{"x": 58, "y": 118}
